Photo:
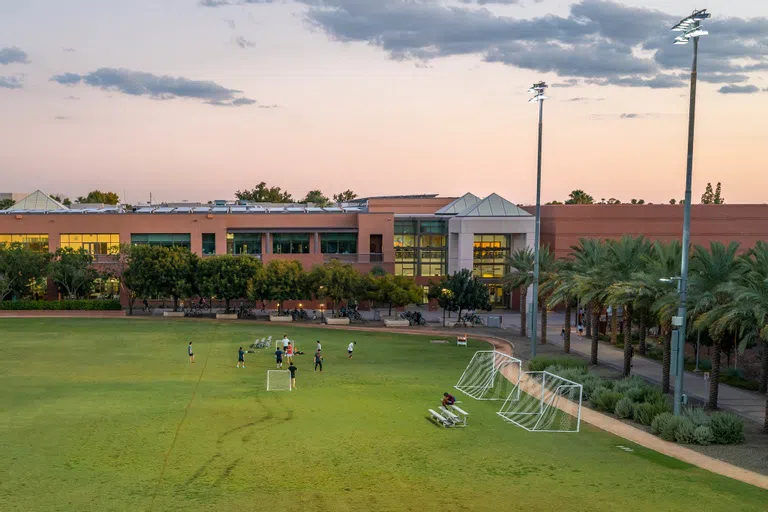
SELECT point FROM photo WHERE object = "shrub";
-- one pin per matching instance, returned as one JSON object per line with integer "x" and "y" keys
{"x": 734, "y": 373}
{"x": 538, "y": 364}
{"x": 703, "y": 435}
{"x": 590, "y": 384}
{"x": 727, "y": 428}
{"x": 685, "y": 431}
{"x": 636, "y": 394}
{"x": 659, "y": 422}
{"x": 669, "y": 428}
{"x": 653, "y": 395}
{"x": 574, "y": 374}
{"x": 624, "y": 408}
{"x": 644, "y": 413}
{"x": 705, "y": 365}
{"x": 628, "y": 383}
{"x": 61, "y": 305}
{"x": 606, "y": 399}
{"x": 697, "y": 416}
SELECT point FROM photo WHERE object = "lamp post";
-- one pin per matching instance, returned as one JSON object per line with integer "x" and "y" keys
{"x": 538, "y": 91}
{"x": 691, "y": 31}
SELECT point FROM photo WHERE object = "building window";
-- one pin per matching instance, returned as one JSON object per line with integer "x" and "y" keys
{"x": 100, "y": 243}
{"x": 497, "y": 295}
{"x": 162, "y": 239}
{"x": 106, "y": 288}
{"x": 290, "y": 243}
{"x": 338, "y": 243}
{"x": 489, "y": 255}
{"x": 420, "y": 248}
{"x": 34, "y": 242}
{"x": 209, "y": 244}
{"x": 243, "y": 243}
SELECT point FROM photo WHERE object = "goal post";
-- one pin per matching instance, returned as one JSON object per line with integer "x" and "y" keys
{"x": 490, "y": 375}
{"x": 544, "y": 402}
{"x": 278, "y": 380}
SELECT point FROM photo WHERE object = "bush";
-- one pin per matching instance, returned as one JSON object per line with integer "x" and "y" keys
{"x": 574, "y": 374}
{"x": 606, "y": 399}
{"x": 669, "y": 428}
{"x": 624, "y": 408}
{"x": 628, "y": 383}
{"x": 590, "y": 384}
{"x": 538, "y": 364}
{"x": 734, "y": 373}
{"x": 644, "y": 413}
{"x": 653, "y": 395}
{"x": 659, "y": 422}
{"x": 703, "y": 435}
{"x": 637, "y": 394}
{"x": 685, "y": 431}
{"x": 727, "y": 428}
{"x": 61, "y": 305}
{"x": 697, "y": 416}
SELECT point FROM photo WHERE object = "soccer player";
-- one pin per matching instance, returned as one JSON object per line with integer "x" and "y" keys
{"x": 350, "y": 348}
{"x": 319, "y": 347}
{"x": 279, "y": 358}
{"x": 240, "y": 357}
{"x": 293, "y": 369}
{"x": 286, "y": 342}
{"x": 191, "y": 354}
{"x": 319, "y": 360}
{"x": 448, "y": 399}
{"x": 289, "y": 353}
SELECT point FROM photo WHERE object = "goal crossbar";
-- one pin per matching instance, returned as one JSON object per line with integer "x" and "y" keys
{"x": 544, "y": 402}
{"x": 490, "y": 375}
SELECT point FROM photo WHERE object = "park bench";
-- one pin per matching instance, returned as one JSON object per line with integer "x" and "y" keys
{"x": 457, "y": 415}
{"x": 437, "y": 417}
{"x": 461, "y": 341}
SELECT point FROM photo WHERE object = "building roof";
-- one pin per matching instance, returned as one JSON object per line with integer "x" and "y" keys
{"x": 494, "y": 206}
{"x": 459, "y": 205}
{"x": 37, "y": 201}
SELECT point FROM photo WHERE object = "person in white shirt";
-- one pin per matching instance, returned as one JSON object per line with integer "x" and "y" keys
{"x": 350, "y": 348}
{"x": 319, "y": 348}
{"x": 286, "y": 342}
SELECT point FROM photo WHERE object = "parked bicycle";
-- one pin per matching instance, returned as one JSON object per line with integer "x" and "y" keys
{"x": 245, "y": 311}
{"x": 414, "y": 317}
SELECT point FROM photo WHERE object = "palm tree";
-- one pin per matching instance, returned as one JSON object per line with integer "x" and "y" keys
{"x": 626, "y": 258}
{"x": 547, "y": 280}
{"x": 563, "y": 291}
{"x": 712, "y": 274}
{"x": 520, "y": 276}
{"x": 590, "y": 286}
{"x": 579, "y": 197}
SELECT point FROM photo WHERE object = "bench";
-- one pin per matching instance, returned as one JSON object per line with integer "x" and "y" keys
{"x": 436, "y": 416}
{"x": 461, "y": 341}
{"x": 461, "y": 414}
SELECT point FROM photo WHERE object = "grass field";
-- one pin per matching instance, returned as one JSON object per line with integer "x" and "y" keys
{"x": 109, "y": 415}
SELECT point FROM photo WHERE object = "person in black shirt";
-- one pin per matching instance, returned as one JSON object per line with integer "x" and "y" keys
{"x": 240, "y": 357}
{"x": 293, "y": 369}
{"x": 448, "y": 399}
{"x": 319, "y": 361}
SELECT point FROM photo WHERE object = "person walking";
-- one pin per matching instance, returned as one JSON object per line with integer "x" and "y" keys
{"x": 293, "y": 369}
{"x": 279, "y": 358}
{"x": 240, "y": 357}
{"x": 191, "y": 353}
{"x": 350, "y": 348}
{"x": 289, "y": 353}
{"x": 286, "y": 342}
{"x": 319, "y": 347}
{"x": 319, "y": 360}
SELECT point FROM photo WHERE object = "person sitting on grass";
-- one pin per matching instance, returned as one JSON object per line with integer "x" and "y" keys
{"x": 448, "y": 399}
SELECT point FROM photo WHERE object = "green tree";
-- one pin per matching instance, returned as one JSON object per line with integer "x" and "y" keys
{"x": 61, "y": 199}
{"x": 20, "y": 268}
{"x": 344, "y": 197}
{"x": 591, "y": 282}
{"x": 397, "y": 291}
{"x": 280, "y": 280}
{"x": 175, "y": 272}
{"x": 637, "y": 201}
{"x": 444, "y": 297}
{"x": 6, "y": 203}
{"x": 226, "y": 276}
{"x": 336, "y": 281}
{"x": 555, "y": 202}
{"x": 520, "y": 276}
{"x": 263, "y": 194}
{"x": 140, "y": 271}
{"x": 467, "y": 290}
{"x": 564, "y": 291}
{"x": 579, "y": 197}
{"x": 99, "y": 197}
{"x": 73, "y": 272}
{"x": 316, "y": 197}
{"x": 712, "y": 197}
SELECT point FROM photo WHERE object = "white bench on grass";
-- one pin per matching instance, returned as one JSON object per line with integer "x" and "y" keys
{"x": 461, "y": 341}
{"x": 461, "y": 414}
{"x": 439, "y": 418}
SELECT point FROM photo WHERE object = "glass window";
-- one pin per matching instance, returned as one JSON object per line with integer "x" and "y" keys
{"x": 405, "y": 227}
{"x": 162, "y": 239}
{"x": 101, "y": 243}
{"x": 243, "y": 243}
{"x": 338, "y": 243}
{"x": 432, "y": 226}
{"x": 209, "y": 244}
{"x": 489, "y": 254}
{"x": 34, "y": 242}
{"x": 290, "y": 243}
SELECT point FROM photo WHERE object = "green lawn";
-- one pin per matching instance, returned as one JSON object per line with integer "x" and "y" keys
{"x": 90, "y": 409}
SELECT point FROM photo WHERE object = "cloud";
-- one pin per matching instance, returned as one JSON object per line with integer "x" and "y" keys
{"x": 158, "y": 87}
{"x": 13, "y": 55}
{"x": 62, "y": 118}
{"x": 71, "y": 98}
{"x": 492, "y": 2}
{"x": 602, "y": 40}
{"x": 213, "y": 3}
{"x": 570, "y": 82}
{"x": 268, "y": 106}
{"x": 12, "y": 82}
{"x": 244, "y": 43}
{"x": 738, "y": 89}
{"x": 629, "y": 116}
{"x": 68, "y": 50}
{"x": 581, "y": 99}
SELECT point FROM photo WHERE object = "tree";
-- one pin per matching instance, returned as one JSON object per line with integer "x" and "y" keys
{"x": 344, "y": 197}
{"x": 6, "y": 203}
{"x": 61, "y": 199}
{"x": 672, "y": 201}
{"x": 564, "y": 292}
{"x": 710, "y": 197}
{"x": 316, "y": 197}
{"x": 444, "y": 297}
{"x": 141, "y": 272}
{"x": 175, "y": 270}
{"x": 99, "y": 197}
{"x": 263, "y": 194}
{"x": 226, "y": 276}
{"x": 555, "y": 202}
{"x": 467, "y": 290}
{"x": 21, "y": 267}
{"x": 637, "y": 201}
{"x": 520, "y": 276}
{"x": 579, "y": 197}
{"x": 397, "y": 291}
{"x": 73, "y": 272}
{"x": 613, "y": 200}
{"x": 336, "y": 281}
{"x": 591, "y": 284}
{"x": 280, "y": 280}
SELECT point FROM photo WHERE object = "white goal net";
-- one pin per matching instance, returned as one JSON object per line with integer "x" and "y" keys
{"x": 278, "y": 380}
{"x": 544, "y": 402}
{"x": 490, "y": 375}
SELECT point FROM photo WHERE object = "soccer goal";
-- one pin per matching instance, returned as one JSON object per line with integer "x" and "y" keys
{"x": 278, "y": 380}
{"x": 490, "y": 375}
{"x": 544, "y": 402}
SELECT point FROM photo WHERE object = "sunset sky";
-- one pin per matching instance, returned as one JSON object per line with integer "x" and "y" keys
{"x": 192, "y": 100}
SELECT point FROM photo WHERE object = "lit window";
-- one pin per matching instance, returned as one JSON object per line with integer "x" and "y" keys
{"x": 99, "y": 243}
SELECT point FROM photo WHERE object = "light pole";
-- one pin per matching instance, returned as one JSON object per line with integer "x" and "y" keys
{"x": 691, "y": 31}
{"x": 538, "y": 91}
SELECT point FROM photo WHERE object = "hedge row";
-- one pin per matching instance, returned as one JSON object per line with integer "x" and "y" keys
{"x": 61, "y": 305}
{"x": 539, "y": 363}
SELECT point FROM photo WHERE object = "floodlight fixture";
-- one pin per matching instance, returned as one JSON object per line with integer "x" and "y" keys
{"x": 691, "y": 27}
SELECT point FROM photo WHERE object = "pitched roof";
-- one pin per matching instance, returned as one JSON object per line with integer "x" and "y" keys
{"x": 494, "y": 206}
{"x": 37, "y": 200}
{"x": 459, "y": 205}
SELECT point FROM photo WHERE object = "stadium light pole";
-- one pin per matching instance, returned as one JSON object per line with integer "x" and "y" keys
{"x": 538, "y": 91}
{"x": 691, "y": 31}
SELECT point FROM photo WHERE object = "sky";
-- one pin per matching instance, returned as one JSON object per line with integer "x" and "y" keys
{"x": 194, "y": 99}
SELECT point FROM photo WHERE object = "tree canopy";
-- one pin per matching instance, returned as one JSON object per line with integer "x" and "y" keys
{"x": 578, "y": 196}
{"x": 343, "y": 197}
{"x": 316, "y": 197}
{"x": 466, "y": 290}
{"x": 19, "y": 267}
{"x": 99, "y": 197}
{"x": 227, "y": 277}
{"x": 712, "y": 197}
{"x": 261, "y": 193}
{"x": 6, "y": 203}
{"x": 73, "y": 272}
